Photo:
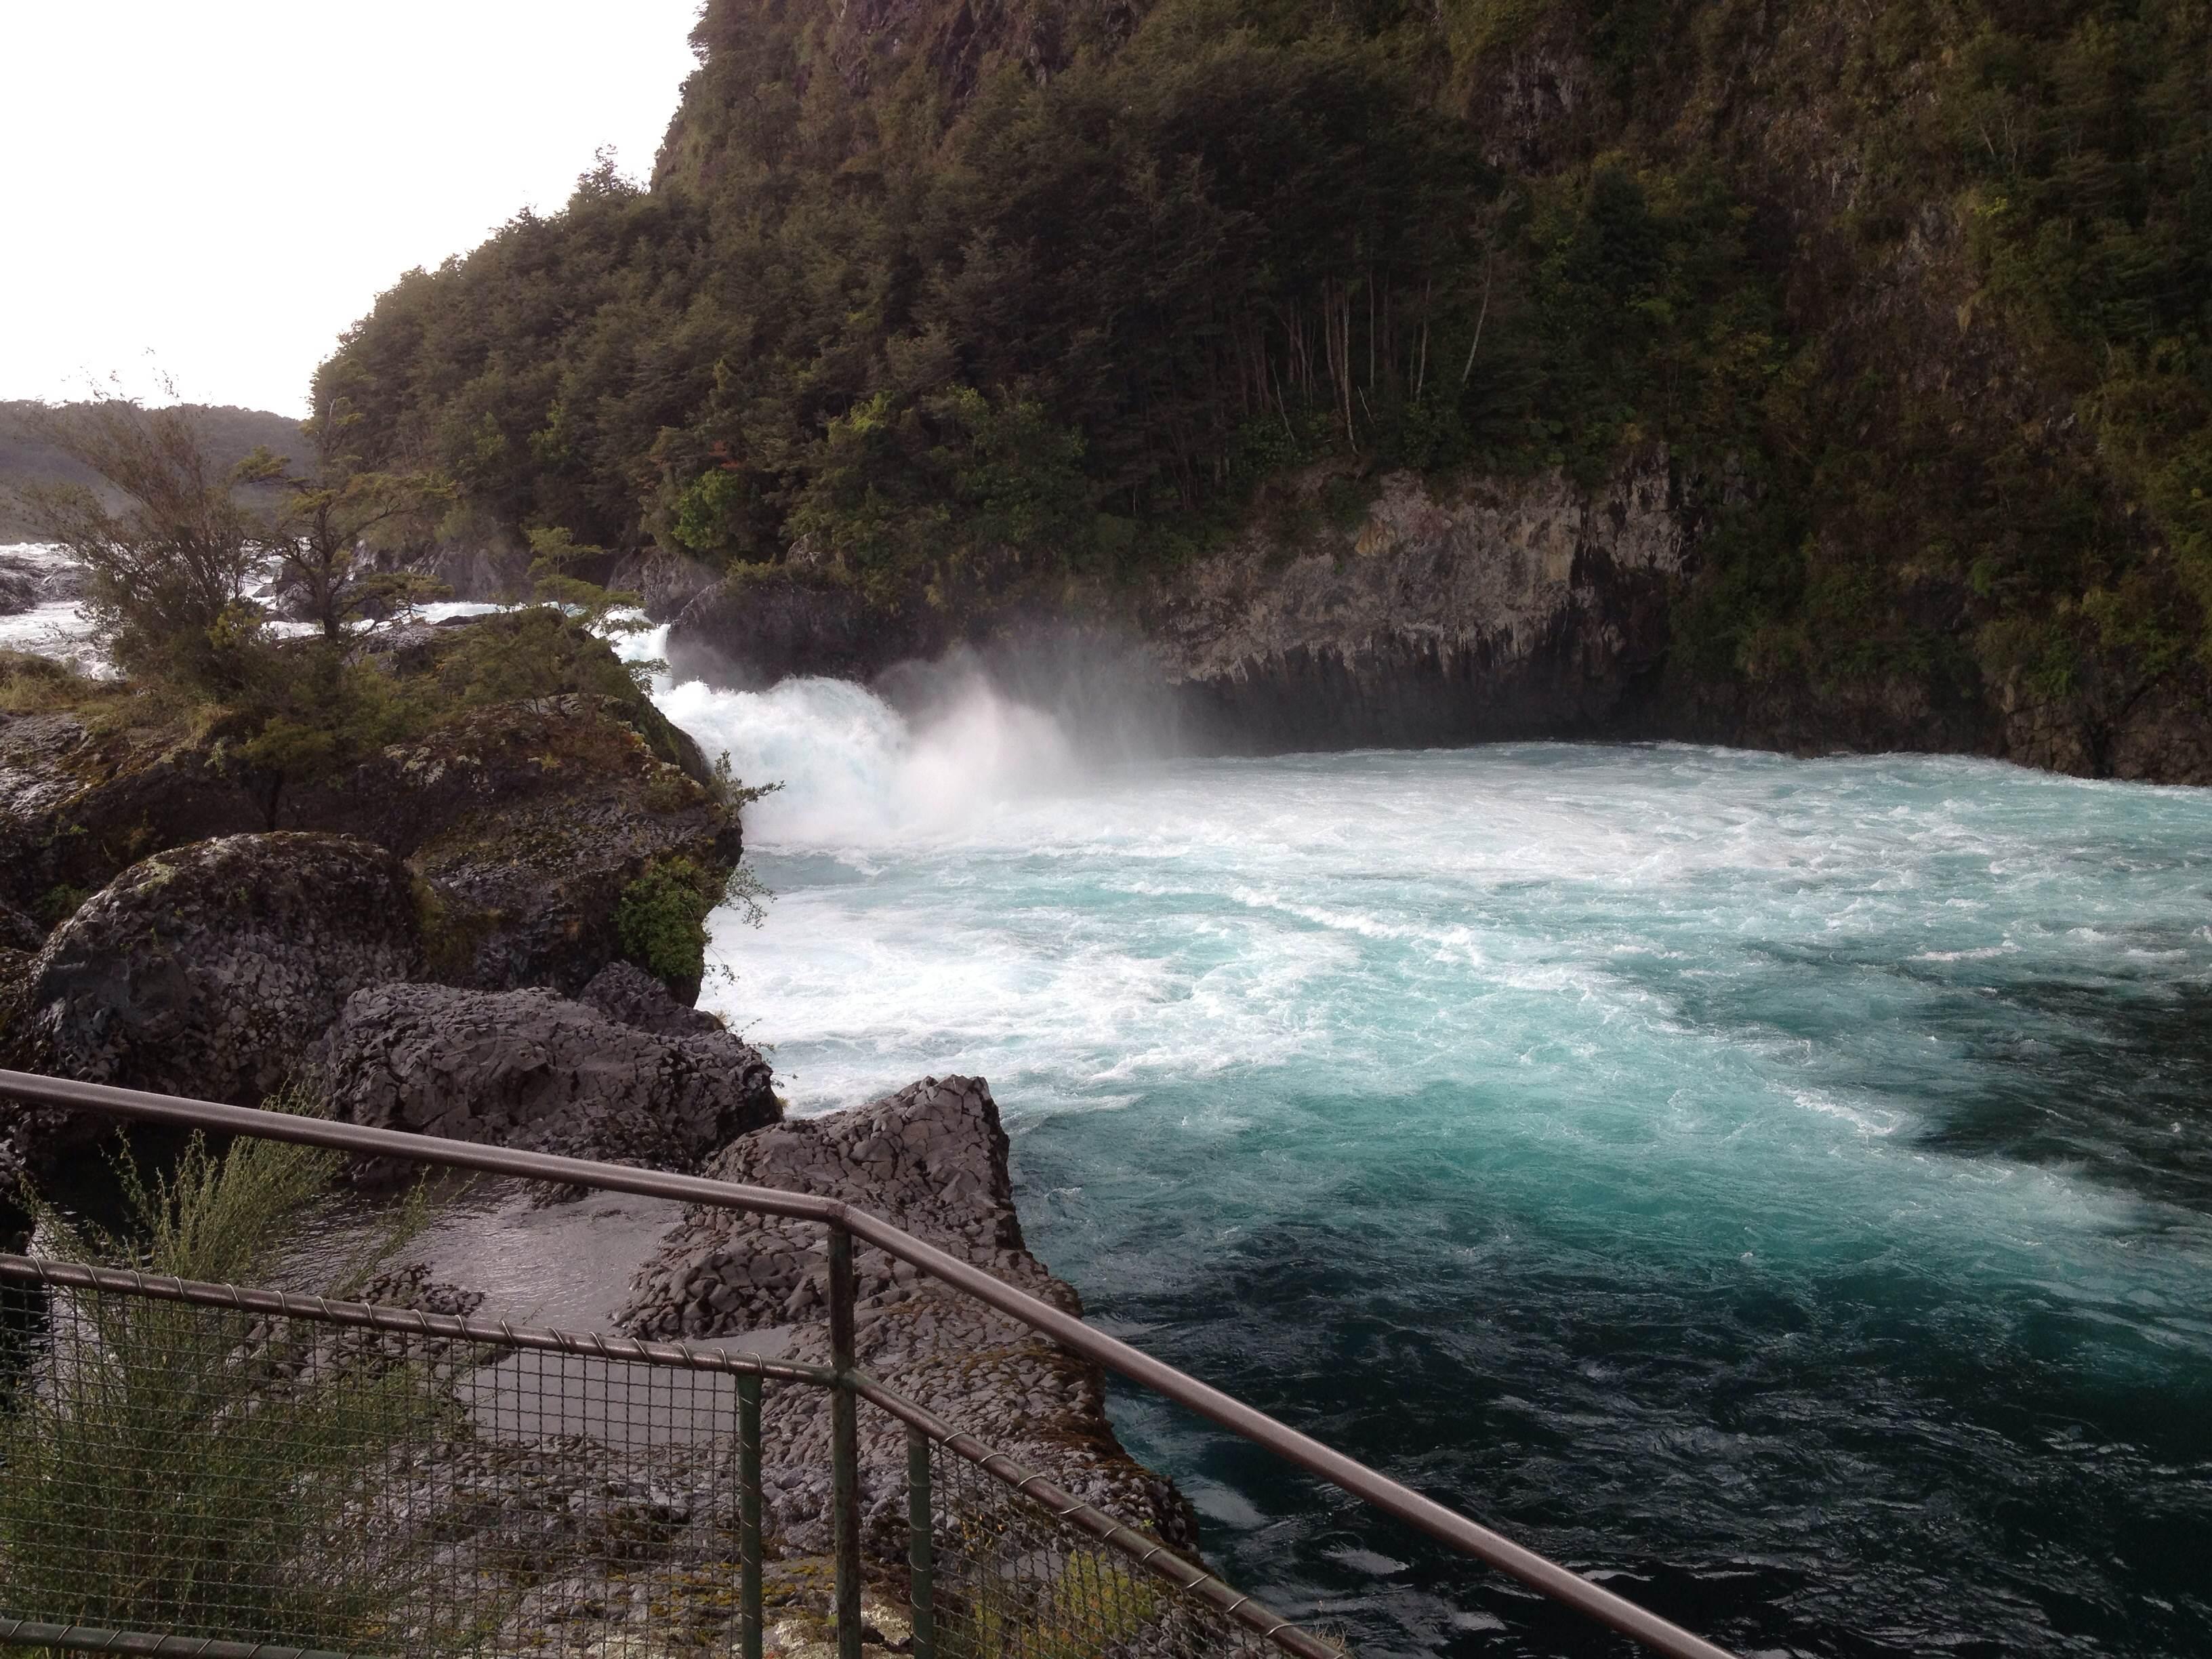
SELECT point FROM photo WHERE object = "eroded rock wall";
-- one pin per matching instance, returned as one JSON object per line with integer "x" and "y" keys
{"x": 1487, "y": 609}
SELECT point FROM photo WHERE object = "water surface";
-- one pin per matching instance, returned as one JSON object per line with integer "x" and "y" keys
{"x": 1780, "y": 1187}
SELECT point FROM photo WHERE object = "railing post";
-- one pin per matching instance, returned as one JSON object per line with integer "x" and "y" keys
{"x": 921, "y": 1553}
{"x": 749, "y": 1517}
{"x": 844, "y": 1446}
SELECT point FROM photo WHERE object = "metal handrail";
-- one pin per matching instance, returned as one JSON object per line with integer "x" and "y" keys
{"x": 1548, "y": 1578}
{"x": 1148, "y": 1554}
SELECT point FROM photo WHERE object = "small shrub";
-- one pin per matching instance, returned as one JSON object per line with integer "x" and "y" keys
{"x": 1092, "y": 1602}
{"x": 661, "y": 917}
{"x": 185, "y": 1470}
{"x": 661, "y": 921}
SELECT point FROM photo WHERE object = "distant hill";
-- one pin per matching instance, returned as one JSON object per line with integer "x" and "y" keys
{"x": 230, "y": 435}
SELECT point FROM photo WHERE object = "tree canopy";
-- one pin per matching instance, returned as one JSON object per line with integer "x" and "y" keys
{"x": 1059, "y": 293}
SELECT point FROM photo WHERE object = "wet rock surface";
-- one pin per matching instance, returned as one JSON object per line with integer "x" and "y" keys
{"x": 754, "y": 630}
{"x": 207, "y": 970}
{"x": 28, "y": 583}
{"x": 930, "y": 1159}
{"x": 532, "y": 1069}
{"x": 1500, "y": 610}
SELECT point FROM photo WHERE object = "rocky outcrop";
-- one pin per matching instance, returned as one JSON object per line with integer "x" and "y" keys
{"x": 630, "y": 996}
{"x": 531, "y": 1069}
{"x": 933, "y": 1159}
{"x": 762, "y": 625}
{"x": 80, "y": 802}
{"x": 1490, "y": 610}
{"x": 206, "y": 971}
{"x": 18, "y": 931}
{"x": 25, "y": 583}
{"x": 664, "y": 582}
{"x": 527, "y": 819}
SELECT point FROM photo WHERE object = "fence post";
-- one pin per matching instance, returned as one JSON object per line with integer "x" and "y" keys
{"x": 920, "y": 1555}
{"x": 749, "y": 1517}
{"x": 844, "y": 1446}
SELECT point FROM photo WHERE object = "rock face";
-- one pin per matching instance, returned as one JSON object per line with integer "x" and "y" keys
{"x": 209, "y": 969}
{"x": 1503, "y": 610}
{"x": 78, "y": 805}
{"x": 527, "y": 820}
{"x": 933, "y": 1159}
{"x": 664, "y": 582}
{"x": 755, "y": 630}
{"x": 630, "y": 996}
{"x": 531, "y": 1069}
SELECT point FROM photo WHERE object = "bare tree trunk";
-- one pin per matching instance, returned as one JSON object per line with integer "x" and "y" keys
{"x": 1421, "y": 379}
{"x": 1479, "y": 317}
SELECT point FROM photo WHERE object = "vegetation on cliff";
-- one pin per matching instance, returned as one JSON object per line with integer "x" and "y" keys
{"x": 1918, "y": 299}
{"x": 515, "y": 759}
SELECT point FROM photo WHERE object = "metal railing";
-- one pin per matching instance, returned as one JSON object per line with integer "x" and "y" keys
{"x": 1008, "y": 1571}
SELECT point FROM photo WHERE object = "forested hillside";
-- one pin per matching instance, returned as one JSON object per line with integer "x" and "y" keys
{"x": 946, "y": 297}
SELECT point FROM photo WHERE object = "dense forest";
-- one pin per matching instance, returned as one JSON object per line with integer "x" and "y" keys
{"x": 27, "y": 457}
{"x": 945, "y": 295}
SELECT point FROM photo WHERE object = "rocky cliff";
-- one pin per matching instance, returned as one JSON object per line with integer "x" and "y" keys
{"x": 933, "y": 1159}
{"x": 1441, "y": 615}
{"x": 939, "y": 325}
{"x": 174, "y": 916}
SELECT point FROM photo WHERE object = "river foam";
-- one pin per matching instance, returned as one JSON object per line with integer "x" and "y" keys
{"x": 1764, "y": 1177}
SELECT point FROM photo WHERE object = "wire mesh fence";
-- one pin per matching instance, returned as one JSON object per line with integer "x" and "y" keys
{"x": 243, "y": 1467}
{"x": 1011, "y": 1581}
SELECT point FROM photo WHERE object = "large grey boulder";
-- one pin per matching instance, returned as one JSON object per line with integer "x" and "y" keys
{"x": 528, "y": 821}
{"x": 532, "y": 1069}
{"x": 627, "y": 995}
{"x": 209, "y": 970}
{"x": 205, "y": 971}
{"x": 933, "y": 1159}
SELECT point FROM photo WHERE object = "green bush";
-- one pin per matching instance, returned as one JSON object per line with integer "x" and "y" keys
{"x": 198, "y": 1471}
{"x": 661, "y": 917}
{"x": 661, "y": 921}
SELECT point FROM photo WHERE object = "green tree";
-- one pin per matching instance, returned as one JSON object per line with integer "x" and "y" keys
{"x": 169, "y": 566}
{"x": 318, "y": 535}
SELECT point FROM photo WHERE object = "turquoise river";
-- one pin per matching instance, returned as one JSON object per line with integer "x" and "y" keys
{"x": 1782, "y": 1188}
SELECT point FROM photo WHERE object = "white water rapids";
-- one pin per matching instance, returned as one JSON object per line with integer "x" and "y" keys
{"x": 1785, "y": 1181}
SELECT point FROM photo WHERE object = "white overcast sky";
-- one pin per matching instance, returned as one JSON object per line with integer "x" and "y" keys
{"x": 214, "y": 188}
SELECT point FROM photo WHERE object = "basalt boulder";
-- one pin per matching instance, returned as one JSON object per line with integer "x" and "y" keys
{"x": 933, "y": 1159}
{"x": 80, "y": 801}
{"x": 627, "y": 995}
{"x": 207, "y": 971}
{"x": 527, "y": 821}
{"x": 532, "y": 1069}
